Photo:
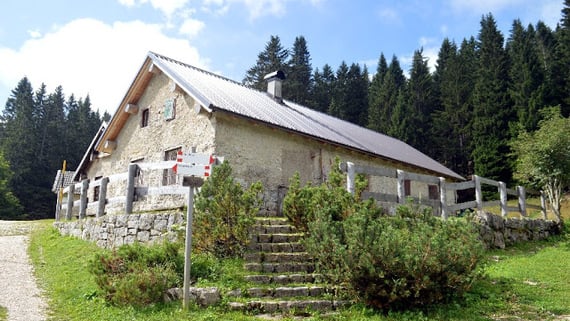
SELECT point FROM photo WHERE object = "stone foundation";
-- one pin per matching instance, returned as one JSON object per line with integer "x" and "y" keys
{"x": 498, "y": 232}
{"x": 112, "y": 231}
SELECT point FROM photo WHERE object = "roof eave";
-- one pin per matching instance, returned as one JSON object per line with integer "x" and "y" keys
{"x": 455, "y": 177}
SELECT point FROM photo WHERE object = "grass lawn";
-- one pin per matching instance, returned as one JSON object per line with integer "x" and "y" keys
{"x": 526, "y": 282}
{"x": 3, "y": 313}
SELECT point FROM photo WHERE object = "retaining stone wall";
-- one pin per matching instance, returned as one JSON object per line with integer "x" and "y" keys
{"x": 112, "y": 231}
{"x": 498, "y": 232}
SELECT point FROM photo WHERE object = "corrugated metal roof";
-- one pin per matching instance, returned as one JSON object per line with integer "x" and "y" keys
{"x": 62, "y": 181}
{"x": 216, "y": 92}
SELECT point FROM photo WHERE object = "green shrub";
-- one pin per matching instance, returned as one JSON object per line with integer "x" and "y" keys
{"x": 394, "y": 262}
{"x": 138, "y": 275}
{"x": 224, "y": 213}
{"x": 301, "y": 204}
{"x": 390, "y": 262}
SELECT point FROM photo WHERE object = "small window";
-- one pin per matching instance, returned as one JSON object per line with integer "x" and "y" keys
{"x": 145, "y": 117}
{"x": 168, "y": 176}
{"x": 407, "y": 188}
{"x": 97, "y": 190}
{"x": 433, "y": 191}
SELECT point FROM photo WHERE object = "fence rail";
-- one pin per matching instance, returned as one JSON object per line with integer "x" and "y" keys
{"x": 442, "y": 205}
{"x": 132, "y": 191}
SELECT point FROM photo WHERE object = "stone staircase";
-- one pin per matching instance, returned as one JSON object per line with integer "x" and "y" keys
{"x": 282, "y": 273}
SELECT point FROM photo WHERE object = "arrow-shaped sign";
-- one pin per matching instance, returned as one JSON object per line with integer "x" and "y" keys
{"x": 192, "y": 169}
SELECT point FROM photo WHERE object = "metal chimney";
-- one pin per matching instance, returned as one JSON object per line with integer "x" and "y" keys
{"x": 274, "y": 84}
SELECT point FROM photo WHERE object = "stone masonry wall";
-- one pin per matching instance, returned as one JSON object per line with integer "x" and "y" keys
{"x": 498, "y": 232}
{"x": 112, "y": 231}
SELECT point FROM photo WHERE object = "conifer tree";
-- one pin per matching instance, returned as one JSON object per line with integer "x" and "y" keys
{"x": 387, "y": 96}
{"x": 421, "y": 101}
{"x": 526, "y": 76}
{"x": 563, "y": 60}
{"x": 492, "y": 108}
{"x": 272, "y": 58}
{"x": 323, "y": 89}
{"x": 19, "y": 143}
{"x": 451, "y": 122}
{"x": 299, "y": 81}
{"x": 375, "y": 103}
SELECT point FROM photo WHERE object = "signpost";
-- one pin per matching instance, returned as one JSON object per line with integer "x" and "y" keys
{"x": 194, "y": 168}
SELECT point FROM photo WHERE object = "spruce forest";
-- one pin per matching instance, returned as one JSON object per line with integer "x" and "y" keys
{"x": 38, "y": 130}
{"x": 483, "y": 92}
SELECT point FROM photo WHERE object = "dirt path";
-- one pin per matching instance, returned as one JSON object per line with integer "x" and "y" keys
{"x": 19, "y": 292}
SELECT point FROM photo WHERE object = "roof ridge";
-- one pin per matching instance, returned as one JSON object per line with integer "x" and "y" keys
{"x": 157, "y": 55}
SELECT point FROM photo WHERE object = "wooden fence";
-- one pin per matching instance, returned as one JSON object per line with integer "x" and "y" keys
{"x": 443, "y": 206}
{"x": 131, "y": 193}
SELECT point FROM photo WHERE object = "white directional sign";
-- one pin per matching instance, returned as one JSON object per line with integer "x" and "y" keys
{"x": 194, "y": 158}
{"x": 187, "y": 169}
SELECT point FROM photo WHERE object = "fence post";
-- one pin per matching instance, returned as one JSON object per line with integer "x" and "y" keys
{"x": 102, "y": 197}
{"x": 522, "y": 200}
{"x": 83, "y": 206}
{"x": 58, "y": 206}
{"x": 543, "y": 205}
{"x": 443, "y": 198}
{"x": 70, "y": 200}
{"x": 478, "y": 192}
{"x": 350, "y": 177}
{"x": 503, "y": 196}
{"x": 130, "y": 188}
{"x": 401, "y": 186}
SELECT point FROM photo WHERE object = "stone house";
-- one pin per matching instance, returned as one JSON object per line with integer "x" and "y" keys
{"x": 173, "y": 106}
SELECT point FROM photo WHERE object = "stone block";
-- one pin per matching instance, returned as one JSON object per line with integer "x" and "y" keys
{"x": 121, "y": 220}
{"x": 143, "y": 236}
{"x": 146, "y": 221}
{"x": 160, "y": 225}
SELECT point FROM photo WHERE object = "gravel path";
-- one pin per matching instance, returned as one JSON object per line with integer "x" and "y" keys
{"x": 19, "y": 292}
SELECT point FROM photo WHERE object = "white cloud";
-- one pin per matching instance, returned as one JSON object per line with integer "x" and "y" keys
{"x": 389, "y": 15}
{"x": 191, "y": 27}
{"x": 482, "y": 6}
{"x": 34, "y": 33}
{"x": 256, "y": 8}
{"x": 167, "y": 7}
{"x": 87, "y": 56}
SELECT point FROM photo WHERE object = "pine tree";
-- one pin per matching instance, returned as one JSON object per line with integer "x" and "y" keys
{"x": 526, "y": 76}
{"x": 19, "y": 143}
{"x": 272, "y": 58}
{"x": 421, "y": 101}
{"x": 323, "y": 89}
{"x": 299, "y": 82}
{"x": 10, "y": 207}
{"x": 562, "y": 80}
{"x": 387, "y": 96}
{"x": 451, "y": 129}
{"x": 340, "y": 88}
{"x": 375, "y": 103}
{"x": 546, "y": 47}
{"x": 492, "y": 109}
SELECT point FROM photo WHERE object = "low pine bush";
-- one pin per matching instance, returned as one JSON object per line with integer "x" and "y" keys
{"x": 138, "y": 275}
{"x": 224, "y": 213}
{"x": 390, "y": 262}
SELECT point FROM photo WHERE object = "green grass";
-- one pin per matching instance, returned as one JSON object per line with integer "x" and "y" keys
{"x": 3, "y": 314}
{"x": 527, "y": 282}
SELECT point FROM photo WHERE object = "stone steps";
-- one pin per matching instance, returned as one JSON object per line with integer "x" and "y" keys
{"x": 261, "y": 306}
{"x": 278, "y": 257}
{"x": 283, "y": 272}
{"x": 284, "y": 278}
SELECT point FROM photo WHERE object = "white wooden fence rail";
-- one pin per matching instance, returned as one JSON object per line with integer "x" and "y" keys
{"x": 441, "y": 206}
{"x": 127, "y": 199}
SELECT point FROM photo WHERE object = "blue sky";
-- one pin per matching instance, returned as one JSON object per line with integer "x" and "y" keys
{"x": 96, "y": 47}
